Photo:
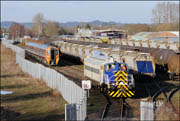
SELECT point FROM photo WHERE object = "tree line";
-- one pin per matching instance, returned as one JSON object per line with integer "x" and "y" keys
{"x": 165, "y": 17}
{"x": 41, "y": 28}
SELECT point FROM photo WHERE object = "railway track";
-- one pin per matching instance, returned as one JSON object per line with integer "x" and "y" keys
{"x": 113, "y": 110}
{"x": 70, "y": 70}
{"x": 164, "y": 89}
{"x": 161, "y": 90}
{"x": 173, "y": 91}
{"x": 73, "y": 72}
{"x": 78, "y": 68}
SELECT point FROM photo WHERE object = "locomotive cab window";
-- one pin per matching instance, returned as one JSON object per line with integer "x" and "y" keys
{"x": 119, "y": 66}
{"x": 123, "y": 67}
{"x": 109, "y": 67}
{"x": 52, "y": 53}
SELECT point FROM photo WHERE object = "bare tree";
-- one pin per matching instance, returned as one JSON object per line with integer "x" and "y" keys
{"x": 88, "y": 26}
{"x": 38, "y": 24}
{"x": 29, "y": 32}
{"x": 166, "y": 12}
{"x": 16, "y": 30}
{"x": 51, "y": 28}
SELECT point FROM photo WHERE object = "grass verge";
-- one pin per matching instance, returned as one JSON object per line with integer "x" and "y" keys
{"x": 31, "y": 98}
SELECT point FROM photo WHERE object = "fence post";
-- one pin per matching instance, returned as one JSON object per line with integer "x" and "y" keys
{"x": 147, "y": 111}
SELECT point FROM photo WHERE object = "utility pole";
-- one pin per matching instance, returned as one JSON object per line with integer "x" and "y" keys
{"x": 16, "y": 34}
{"x": 119, "y": 50}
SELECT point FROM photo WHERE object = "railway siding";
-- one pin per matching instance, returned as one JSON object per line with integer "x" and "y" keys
{"x": 73, "y": 67}
{"x": 161, "y": 56}
{"x": 83, "y": 50}
{"x": 171, "y": 45}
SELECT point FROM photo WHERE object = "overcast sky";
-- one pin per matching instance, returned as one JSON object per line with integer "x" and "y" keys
{"x": 121, "y": 11}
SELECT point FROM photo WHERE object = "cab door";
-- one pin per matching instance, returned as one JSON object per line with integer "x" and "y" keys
{"x": 109, "y": 70}
{"x": 47, "y": 55}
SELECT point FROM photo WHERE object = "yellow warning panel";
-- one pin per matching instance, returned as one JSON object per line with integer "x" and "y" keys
{"x": 121, "y": 92}
{"x": 121, "y": 86}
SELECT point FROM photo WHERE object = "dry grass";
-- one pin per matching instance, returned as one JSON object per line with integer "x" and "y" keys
{"x": 31, "y": 98}
{"x": 165, "y": 113}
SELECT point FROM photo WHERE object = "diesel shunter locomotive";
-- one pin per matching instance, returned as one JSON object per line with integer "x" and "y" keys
{"x": 114, "y": 78}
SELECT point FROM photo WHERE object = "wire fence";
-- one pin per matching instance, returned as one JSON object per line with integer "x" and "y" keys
{"x": 72, "y": 93}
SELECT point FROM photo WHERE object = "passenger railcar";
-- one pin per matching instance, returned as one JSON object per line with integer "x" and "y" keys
{"x": 44, "y": 53}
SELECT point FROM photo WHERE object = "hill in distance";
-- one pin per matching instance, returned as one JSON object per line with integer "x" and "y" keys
{"x": 7, "y": 24}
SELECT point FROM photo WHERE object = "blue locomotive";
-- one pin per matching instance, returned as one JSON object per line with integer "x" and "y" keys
{"x": 113, "y": 77}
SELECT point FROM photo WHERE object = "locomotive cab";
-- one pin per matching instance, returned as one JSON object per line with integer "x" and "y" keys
{"x": 52, "y": 56}
{"x": 116, "y": 74}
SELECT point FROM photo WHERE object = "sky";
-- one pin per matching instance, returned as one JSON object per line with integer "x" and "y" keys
{"x": 66, "y": 11}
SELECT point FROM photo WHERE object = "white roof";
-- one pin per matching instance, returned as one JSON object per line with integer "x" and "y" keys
{"x": 176, "y": 33}
{"x": 173, "y": 32}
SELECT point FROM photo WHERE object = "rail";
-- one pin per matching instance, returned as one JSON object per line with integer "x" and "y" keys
{"x": 106, "y": 111}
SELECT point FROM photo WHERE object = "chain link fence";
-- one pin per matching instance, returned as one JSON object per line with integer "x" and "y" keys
{"x": 72, "y": 93}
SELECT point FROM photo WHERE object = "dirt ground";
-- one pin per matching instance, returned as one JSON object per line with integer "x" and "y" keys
{"x": 31, "y": 99}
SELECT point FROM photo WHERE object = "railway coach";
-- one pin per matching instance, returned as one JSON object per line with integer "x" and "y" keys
{"x": 42, "y": 52}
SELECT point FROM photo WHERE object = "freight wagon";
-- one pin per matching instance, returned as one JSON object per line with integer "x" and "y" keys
{"x": 140, "y": 63}
{"x": 167, "y": 61}
{"x": 44, "y": 53}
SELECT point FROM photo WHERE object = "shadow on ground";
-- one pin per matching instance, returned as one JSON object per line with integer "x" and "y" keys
{"x": 11, "y": 98}
{"x": 8, "y": 115}
{"x": 11, "y": 75}
{"x": 48, "y": 116}
{"x": 12, "y": 86}
{"x": 147, "y": 87}
{"x": 70, "y": 59}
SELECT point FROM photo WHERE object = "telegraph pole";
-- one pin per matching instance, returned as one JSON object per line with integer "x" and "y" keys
{"x": 119, "y": 50}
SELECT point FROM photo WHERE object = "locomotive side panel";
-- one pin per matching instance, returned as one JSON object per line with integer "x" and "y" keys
{"x": 92, "y": 69}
